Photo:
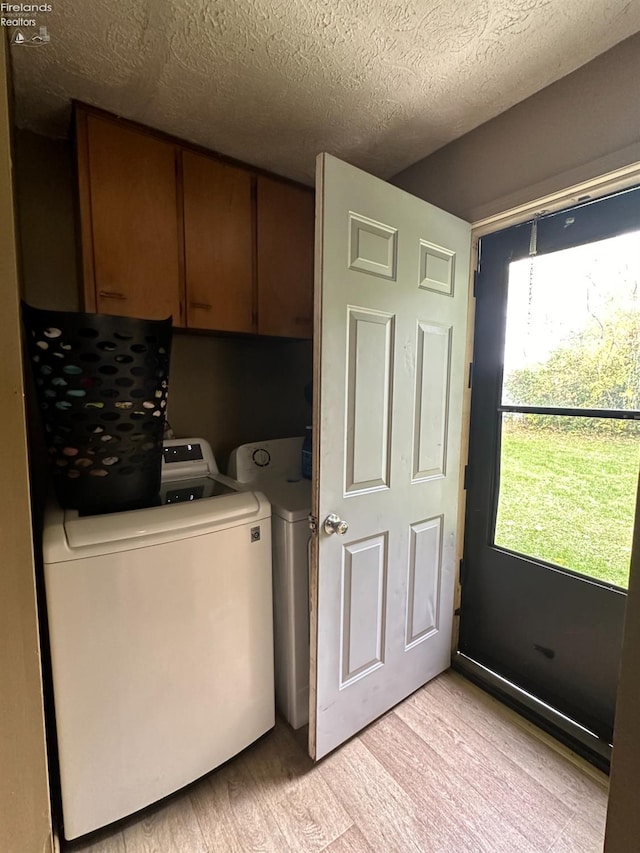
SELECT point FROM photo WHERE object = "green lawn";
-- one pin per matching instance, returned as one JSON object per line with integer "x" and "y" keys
{"x": 569, "y": 499}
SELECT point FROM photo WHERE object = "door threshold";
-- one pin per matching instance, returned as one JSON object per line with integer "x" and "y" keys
{"x": 581, "y": 740}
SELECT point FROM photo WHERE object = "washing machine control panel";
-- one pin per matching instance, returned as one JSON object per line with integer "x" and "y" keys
{"x": 181, "y": 453}
{"x": 186, "y": 458}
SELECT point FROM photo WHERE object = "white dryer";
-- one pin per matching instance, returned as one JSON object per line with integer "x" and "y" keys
{"x": 274, "y": 467}
{"x": 161, "y": 636}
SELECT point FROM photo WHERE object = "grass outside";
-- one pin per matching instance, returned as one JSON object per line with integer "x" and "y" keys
{"x": 569, "y": 499}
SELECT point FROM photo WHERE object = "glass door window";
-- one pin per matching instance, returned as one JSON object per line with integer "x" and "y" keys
{"x": 568, "y": 466}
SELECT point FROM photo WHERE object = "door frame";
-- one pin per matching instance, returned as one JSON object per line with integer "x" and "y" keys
{"x": 547, "y": 718}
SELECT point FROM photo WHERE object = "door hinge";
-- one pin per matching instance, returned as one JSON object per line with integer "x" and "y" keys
{"x": 476, "y": 273}
{"x": 313, "y": 523}
{"x": 470, "y": 380}
{"x": 466, "y": 478}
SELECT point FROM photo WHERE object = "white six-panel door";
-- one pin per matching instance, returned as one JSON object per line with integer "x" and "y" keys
{"x": 391, "y": 306}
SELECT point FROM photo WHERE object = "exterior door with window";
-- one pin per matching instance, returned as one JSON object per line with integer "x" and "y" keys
{"x": 553, "y": 462}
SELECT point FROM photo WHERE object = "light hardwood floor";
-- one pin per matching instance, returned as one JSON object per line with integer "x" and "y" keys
{"x": 449, "y": 770}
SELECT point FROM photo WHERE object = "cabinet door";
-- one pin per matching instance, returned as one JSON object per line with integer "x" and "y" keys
{"x": 218, "y": 235}
{"x": 129, "y": 212}
{"x": 285, "y": 259}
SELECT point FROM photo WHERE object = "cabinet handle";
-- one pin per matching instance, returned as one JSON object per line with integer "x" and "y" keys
{"x": 111, "y": 294}
{"x": 204, "y": 305}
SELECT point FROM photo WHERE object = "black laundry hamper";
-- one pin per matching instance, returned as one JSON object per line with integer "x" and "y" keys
{"x": 101, "y": 383}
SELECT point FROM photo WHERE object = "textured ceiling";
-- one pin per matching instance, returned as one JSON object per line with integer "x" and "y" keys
{"x": 380, "y": 83}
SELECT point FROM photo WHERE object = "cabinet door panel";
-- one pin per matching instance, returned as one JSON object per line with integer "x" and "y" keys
{"x": 285, "y": 259}
{"x": 134, "y": 222}
{"x": 218, "y": 230}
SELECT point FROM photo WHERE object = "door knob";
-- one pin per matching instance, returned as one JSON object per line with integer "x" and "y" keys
{"x": 334, "y": 524}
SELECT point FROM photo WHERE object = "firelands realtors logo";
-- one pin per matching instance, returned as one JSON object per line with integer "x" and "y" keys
{"x": 13, "y": 15}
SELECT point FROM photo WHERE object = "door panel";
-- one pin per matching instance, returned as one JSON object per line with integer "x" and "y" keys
{"x": 364, "y": 576}
{"x": 389, "y": 378}
{"x": 425, "y": 564}
{"x": 432, "y": 386}
{"x": 369, "y": 397}
{"x": 557, "y": 636}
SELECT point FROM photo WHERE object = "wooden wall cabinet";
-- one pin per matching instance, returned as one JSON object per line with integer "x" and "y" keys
{"x": 168, "y": 229}
{"x": 130, "y": 234}
{"x": 285, "y": 230}
{"x": 218, "y": 245}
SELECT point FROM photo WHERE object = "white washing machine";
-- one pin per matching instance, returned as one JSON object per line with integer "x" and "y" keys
{"x": 274, "y": 467}
{"x": 161, "y": 635}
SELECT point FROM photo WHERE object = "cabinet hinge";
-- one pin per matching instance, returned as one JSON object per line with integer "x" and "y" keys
{"x": 313, "y": 524}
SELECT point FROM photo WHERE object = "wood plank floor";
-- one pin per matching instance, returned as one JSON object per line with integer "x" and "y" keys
{"x": 449, "y": 770}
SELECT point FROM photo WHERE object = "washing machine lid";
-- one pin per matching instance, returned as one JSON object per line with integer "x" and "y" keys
{"x": 173, "y": 520}
{"x": 290, "y": 499}
{"x": 69, "y": 536}
{"x": 194, "y": 499}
